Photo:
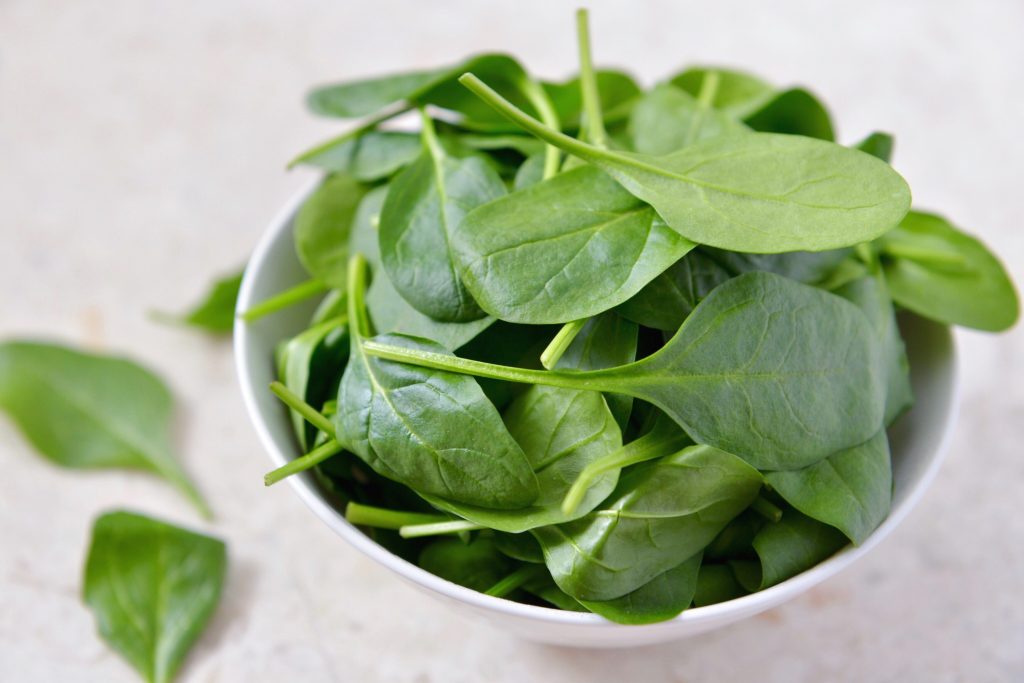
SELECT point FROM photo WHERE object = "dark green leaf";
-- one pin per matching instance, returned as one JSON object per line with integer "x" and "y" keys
{"x": 667, "y": 299}
{"x": 716, "y": 583}
{"x": 523, "y": 547}
{"x": 477, "y": 564}
{"x": 794, "y": 112}
{"x": 786, "y": 548}
{"x": 152, "y": 587}
{"x": 368, "y": 96}
{"x": 369, "y": 157}
{"x": 809, "y": 267}
{"x": 310, "y": 365}
{"x": 877, "y": 145}
{"x": 662, "y": 598}
{"x": 87, "y": 411}
{"x": 323, "y": 226}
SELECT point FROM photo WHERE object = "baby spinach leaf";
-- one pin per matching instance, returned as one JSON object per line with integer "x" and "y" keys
{"x": 525, "y": 263}
{"x": 872, "y": 297}
{"x": 738, "y": 93}
{"x": 86, "y": 411}
{"x": 661, "y": 513}
{"x": 545, "y": 589}
{"x": 367, "y": 96}
{"x": 560, "y": 431}
{"x": 662, "y": 598}
{"x": 152, "y": 587}
{"x": 667, "y": 299}
{"x": 786, "y": 548}
{"x": 530, "y": 172}
{"x": 435, "y": 432}
{"x": 761, "y": 193}
{"x": 666, "y": 119}
{"x": 850, "y": 490}
{"x": 369, "y": 157}
{"x": 716, "y": 583}
{"x": 809, "y": 267}
{"x": 877, "y": 145}
{"x": 617, "y": 90}
{"x": 323, "y": 226}
{"x": 477, "y": 564}
{"x": 216, "y": 312}
{"x": 794, "y": 112}
{"x": 523, "y": 547}
{"x": 524, "y": 144}
{"x": 310, "y": 365}
{"x": 423, "y": 209}
{"x": 939, "y": 272}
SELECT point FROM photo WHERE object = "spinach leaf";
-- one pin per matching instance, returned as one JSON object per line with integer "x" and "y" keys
{"x": 477, "y": 564}
{"x": 872, "y": 297}
{"x": 850, "y": 490}
{"x": 667, "y": 119}
{"x": 323, "y": 226}
{"x": 369, "y": 157}
{"x": 617, "y": 90}
{"x": 423, "y": 209}
{"x": 761, "y": 193}
{"x": 310, "y": 365}
{"x": 435, "y": 432}
{"x": 152, "y": 587}
{"x": 560, "y": 431}
{"x": 216, "y": 312}
{"x": 660, "y": 514}
{"x": 786, "y": 548}
{"x": 545, "y": 589}
{"x": 809, "y": 267}
{"x": 877, "y": 145}
{"x": 86, "y": 411}
{"x": 662, "y": 598}
{"x": 523, "y": 547}
{"x": 368, "y": 96}
{"x": 530, "y": 172}
{"x": 937, "y": 271}
{"x": 794, "y": 112}
{"x": 805, "y": 385}
{"x": 716, "y": 583}
{"x": 525, "y": 263}
{"x": 738, "y": 93}
{"x": 667, "y": 299}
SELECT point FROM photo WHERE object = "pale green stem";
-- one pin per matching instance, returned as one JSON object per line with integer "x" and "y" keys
{"x": 454, "y": 526}
{"x": 593, "y": 122}
{"x": 516, "y": 579}
{"x": 708, "y": 90}
{"x": 296, "y": 403}
{"x": 767, "y": 509}
{"x": 310, "y": 460}
{"x": 356, "y": 132}
{"x": 288, "y": 297}
{"x": 923, "y": 254}
{"x": 560, "y": 343}
{"x": 538, "y": 97}
{"x": 383, "y": 518}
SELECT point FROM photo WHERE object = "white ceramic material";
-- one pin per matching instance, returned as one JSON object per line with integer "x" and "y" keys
{"x": 918, "y": 441}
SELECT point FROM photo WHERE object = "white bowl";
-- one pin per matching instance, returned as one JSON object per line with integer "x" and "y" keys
{"x": 918, "y": 440}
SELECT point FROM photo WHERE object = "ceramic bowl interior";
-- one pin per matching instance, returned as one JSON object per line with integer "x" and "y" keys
{"x": 918, "y": 441}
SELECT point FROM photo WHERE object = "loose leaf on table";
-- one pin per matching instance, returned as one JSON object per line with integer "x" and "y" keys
{"x": 433, "y": 431}
{"x": 877, "y": 145}
{"x": 567, "y": 248}
{"x": 368, "y": 157}
{"x": 806, "y": 384}
{"x": 660, "y": 514}
{"x": 310, "y": 365}
{"x": 216, "y": 312}
{"x": 388, "y": 310}
{"x": 84, "y": 410}
{"x": 560, "y": 431}
{"x": 794, "y": 112}
{"x": 667, "y": 119}
{"x": 872, "y": 297}
{"x": 937, "y": 271}
{"x": 152, "y": 587}
{"x": 323, "y": 226}
{"x": 662, "y": 598}
{"x": 423, "y": 210}
{"x": 785, "y": 548}
{"x": 477, "y": 564}
{"x": 716, "y": 583}
{"x": 738, "y": 93}
{"x": 761, "y": 193}
{"x": 850, "y": 490}
{"x": 667, "y": 299}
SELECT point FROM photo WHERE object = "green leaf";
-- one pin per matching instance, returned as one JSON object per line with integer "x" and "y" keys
{"x": 152, "y": 587}
{"x": 661, "y": 513}
{"x": 761, "y": 193}
{"x": 216, "y": 312}
{"x": 716, "y": 583}
{"x": 560, "y": 431}
{"x": 424, "y": 208}
{"x": 370, "y": 95}
{"x": 787, "y": 548}
{"x": 794, "y": 112}
{"x": 530, "y": 172}
{"x": 525, "y": 263}
{"x": 369, "y": 157}
{"x": 323, "y": 226}
{"x": 738, "y": 93}
{"x": 877, "y": 145}
{"x": 87, "y": 411}
{"x": 477, "y": 564}
{"x": 669, "y": 298}
{"x": 310, "y": 365}
{"x": 809, "y": 267}
{"x": 667, "y": 119}
{"x": 617, "y": 90}
{"x": 662, "y": 598}
{"x": 523, "y": 547}
{"x": 937, "y": 271}
{"x": 850, "y": 490}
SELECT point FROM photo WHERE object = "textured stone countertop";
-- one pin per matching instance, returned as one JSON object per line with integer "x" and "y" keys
{"x": 142, "y": 147}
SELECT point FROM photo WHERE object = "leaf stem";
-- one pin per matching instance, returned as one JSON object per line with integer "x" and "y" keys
{"x": 383, "y": 518}
{"x": 428, "y": 135}
{"x": 307, "y": 461}
{"x": 538, "y": 97}
{"x": 296, "y": 403}
{"x": 560, "y": 343}
{"x": 593, "y": 123}
{"x": 359, "y": 319}
{"x": 356, "y": 132}
{"x": 449, "y": 526}
{"x": 706, "y": 95}
{"x": 923, "y": 254}
{"x": 767, "y": 509}
{"x": 516, "y": 579}
{"x": 288, "y": 297}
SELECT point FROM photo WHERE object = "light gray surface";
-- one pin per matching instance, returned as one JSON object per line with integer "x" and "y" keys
{"x": 141, "y": 151}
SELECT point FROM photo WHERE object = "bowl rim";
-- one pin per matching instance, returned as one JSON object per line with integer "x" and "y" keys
{"x": 744, "y": 605}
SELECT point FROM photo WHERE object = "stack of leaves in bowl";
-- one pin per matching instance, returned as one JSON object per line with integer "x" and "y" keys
{"x": 605, "y": 349}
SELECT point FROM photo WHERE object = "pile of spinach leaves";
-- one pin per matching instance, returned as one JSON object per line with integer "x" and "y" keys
{"x": 605, "y": 349}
